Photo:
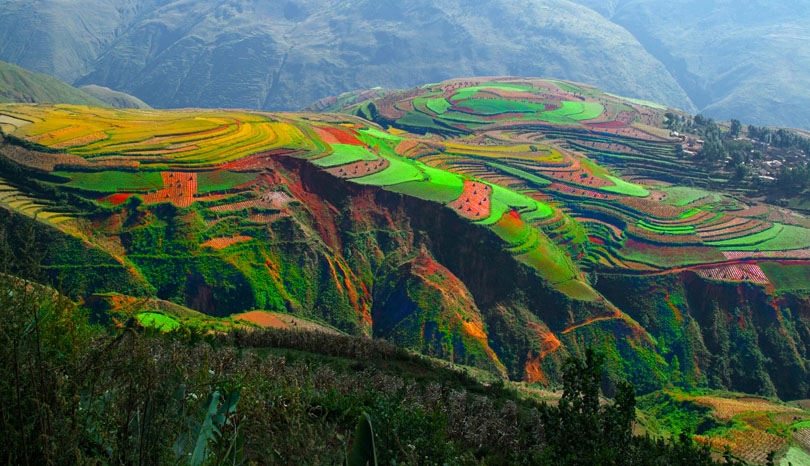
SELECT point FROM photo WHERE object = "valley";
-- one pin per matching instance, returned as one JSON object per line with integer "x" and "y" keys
{"x": 499, "y": 223}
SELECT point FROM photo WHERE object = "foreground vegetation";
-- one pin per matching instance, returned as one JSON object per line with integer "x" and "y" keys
{"x": 76, "y": 393}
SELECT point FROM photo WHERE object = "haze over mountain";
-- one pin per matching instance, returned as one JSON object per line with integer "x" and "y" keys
{"x": 285, "y": 55}
{"x": 747, "y": 60}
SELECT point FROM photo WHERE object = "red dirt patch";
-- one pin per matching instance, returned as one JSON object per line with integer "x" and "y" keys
{"x": 337, "y": 136}
{"x": 222, "y": 243}
{"x": 263, "y": 319}
{"x": 180, "y": 188}
{"x": 117, "y": 198}
{"x": 474, "y": 202}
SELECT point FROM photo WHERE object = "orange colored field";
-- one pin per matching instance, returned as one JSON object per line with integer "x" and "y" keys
{"x": 179, "y": 189}
{"x": 222, "y": 243}
{"x": 725, "y": 408}
{"x": 263, "y": 319}
{"x": 475, "y": 201}
{"x": 337, "y": 136}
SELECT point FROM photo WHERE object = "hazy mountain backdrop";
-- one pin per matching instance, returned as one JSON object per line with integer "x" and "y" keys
{"x": 726, "y": 59}
{"x": 735, "y": 59}
{"x": 287, "y": 54}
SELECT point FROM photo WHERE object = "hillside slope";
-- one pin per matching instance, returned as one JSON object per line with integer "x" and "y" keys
{"x": 744, "y": 60}
{"x": 20, "y": 85}
{"x": 248, "y": 54}
{"x": 114, "y": 98}
{"x": 489, "y": 222}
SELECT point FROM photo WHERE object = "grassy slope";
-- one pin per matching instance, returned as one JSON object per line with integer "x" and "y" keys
{"x": 114, "y": 98}
{"x": 20, "y": 85}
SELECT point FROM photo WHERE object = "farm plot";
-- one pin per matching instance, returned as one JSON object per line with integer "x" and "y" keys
{"x": 398, "y": 171}
{"x": 777, "y": 238}
{"x": 158, "y": 321}
{"x": 13, "y": 199}
{"x": 735, "y": 273}
{"x": 222, "y": 243}
{"x": 787, "y": 277}
{"x": 475, "y": 201}
{"x": 113, "y": 181}
{"x": 222, "y": 180}
{"x": 179, "y": 189}
{"x": 681, "y": 196}
{"x": 359, "y": 169}
{"x": 750, "y": 445}
{"x": 439, "y": 186}
{"x": 345, "y": 154}
{"x": 169, "y": 138}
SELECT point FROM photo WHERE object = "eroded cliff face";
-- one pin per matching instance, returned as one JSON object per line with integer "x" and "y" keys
{"x": 740, "y": 337}
{"x": 365, "y": 260}
{"x": 383, "y": 265}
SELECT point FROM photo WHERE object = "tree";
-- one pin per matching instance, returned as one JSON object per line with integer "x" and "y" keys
{"x": 583, "y": 430}
{"x": 736, "y": 128}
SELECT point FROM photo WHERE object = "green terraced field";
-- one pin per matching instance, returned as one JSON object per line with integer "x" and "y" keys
{"x": 113, "y": 181}
{"x": 547, "y": 154}
{"x": 681, "y": 195}
{"x": 787, "y": 277}
{"x": 343, "y": 154}
{"x": 220, "y": 180}
{"x": 399, "y": 171}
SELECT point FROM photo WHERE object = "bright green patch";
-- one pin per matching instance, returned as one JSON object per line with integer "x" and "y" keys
{"x": 576, "y": 111}
{"x": 468, "y": 92}
{"x": 524, "y": 175}
{"x": 221, "y": 180}
{"x": 345, "y": 153}
{"x": 161, "y": 322}
{"x": 795, "y": 457}
{"x": 397, "y": 172}
{"x": 777, "y": 238}
{"x": 440, "y": 186}
{"x": 787, "y": 277}
{"x": 372, "y": 131}
{"x": 680, "y": 196}
{"x": 500, "y": 106}
{"x": 667, "y": 229}
{"x": 113, "y": 181}
{"x": 504, "y": 200}
{"x": 438, "y": 106}
{"x": 623, "y": 187}
{"x": 427, "y": 191}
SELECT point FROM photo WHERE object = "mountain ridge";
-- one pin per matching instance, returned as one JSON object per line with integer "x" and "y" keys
{"x": 242, "y": 54}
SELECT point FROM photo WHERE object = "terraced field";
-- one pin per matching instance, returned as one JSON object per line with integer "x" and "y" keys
{"x": 574, "y": 183}
{"x": 557, "y": 142}
{"x": 537, "y": 151}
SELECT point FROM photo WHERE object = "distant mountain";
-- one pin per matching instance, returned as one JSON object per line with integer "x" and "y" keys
{"x": 20, "y": 85}
{"x": 746, "y": 60}
{"x": 114, "y": 98}
{"x": 285, "y": 55}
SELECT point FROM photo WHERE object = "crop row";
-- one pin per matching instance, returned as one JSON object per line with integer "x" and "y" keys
{"x": 750, "y": 445}
{"x": 736, "y": 273}
{"x": 796, "y": 254}
{"x": 28, "y": 206}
